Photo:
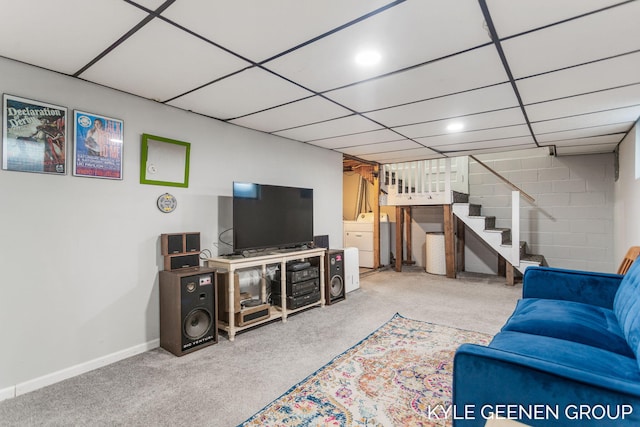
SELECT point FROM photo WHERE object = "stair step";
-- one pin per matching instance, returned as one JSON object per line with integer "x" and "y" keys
{"x": 474, "y": 209}
{"x": 533, "y": 258}
{"x": 505, "y": 232}
{"x": 460, "y": 197}
{"x": 489, "y": 221}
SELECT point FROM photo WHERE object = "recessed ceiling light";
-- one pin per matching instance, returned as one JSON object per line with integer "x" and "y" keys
{"x": 368, "y": 58}
{"x": 455, "y": 127}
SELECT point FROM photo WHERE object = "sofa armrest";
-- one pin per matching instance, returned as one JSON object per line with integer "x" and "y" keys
{"x": 537, "y": 392}
{"x": 571, "y": 285}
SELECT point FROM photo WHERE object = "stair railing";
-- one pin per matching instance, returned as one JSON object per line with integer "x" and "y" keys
{"x": 515, "y": 211}
{"x": 503, "y": 179}
{"x": 425, "y": 178}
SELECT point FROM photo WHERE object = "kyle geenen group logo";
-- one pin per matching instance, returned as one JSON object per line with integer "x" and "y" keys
{"x": 573, "y": 412}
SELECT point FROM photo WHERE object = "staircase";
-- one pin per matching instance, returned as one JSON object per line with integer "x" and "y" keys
{"x": 445, "y": 182}
{"x": 498, "y": 238}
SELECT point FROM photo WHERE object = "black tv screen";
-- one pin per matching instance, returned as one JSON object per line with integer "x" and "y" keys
{"x": 271, "y": 216}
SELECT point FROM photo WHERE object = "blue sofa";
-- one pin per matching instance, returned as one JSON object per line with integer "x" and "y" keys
{"x": 567, "y": 356}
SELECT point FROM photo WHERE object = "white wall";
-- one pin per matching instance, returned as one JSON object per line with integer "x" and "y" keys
{"x": 627, "y": 197}
{"x": 571, "y": 220}
{"x": 80, "y": 257}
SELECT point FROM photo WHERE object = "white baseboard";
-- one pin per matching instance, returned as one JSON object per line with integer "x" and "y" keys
{"x": 7, "y": 393}
{"x": 73, "y": 371}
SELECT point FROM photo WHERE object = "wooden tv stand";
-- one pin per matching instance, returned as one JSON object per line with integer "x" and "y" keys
{"x": 233, "y": 263}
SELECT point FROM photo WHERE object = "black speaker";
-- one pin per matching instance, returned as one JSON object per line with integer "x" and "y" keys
{"x": 172, "y": 244}
{"x": 192, "y": 242}
{"x": 334, "y": 289}
{"x": 179, "y": 243}
{"x": 188, "y": 319}
{"x": 176, "y": 262}
{"x": 321, "y": 241}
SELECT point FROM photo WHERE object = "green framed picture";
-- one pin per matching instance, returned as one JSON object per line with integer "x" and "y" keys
{"x": 164, "y": 161}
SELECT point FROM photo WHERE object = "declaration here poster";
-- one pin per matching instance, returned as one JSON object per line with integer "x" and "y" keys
{"x": 33, "y": 136}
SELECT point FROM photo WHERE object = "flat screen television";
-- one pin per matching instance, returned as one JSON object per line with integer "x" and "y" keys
{"x": 271, "y": 216}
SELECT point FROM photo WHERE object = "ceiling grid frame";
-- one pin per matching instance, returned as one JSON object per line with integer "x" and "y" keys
{"x": 430, "y": 51}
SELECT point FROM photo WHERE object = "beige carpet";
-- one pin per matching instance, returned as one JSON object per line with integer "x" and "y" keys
{"x": 225, "y": 384}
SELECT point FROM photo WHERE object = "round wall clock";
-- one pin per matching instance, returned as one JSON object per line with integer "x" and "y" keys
{"x": 167, "y": 203}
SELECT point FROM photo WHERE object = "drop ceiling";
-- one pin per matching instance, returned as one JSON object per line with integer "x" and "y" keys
{"x": 515, "y": 74}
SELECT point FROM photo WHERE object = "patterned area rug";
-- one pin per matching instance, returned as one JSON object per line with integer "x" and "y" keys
{"x": 397, "y": 376}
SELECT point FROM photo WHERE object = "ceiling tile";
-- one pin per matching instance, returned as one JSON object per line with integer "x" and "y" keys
{"x": 402, "y": 156}
{"x": 477, "y": 101}
{"x": 520, "y": 142}
{"x": 443, "y": 77}
{"x": 472, "y": 136}
{"x": 160, "y": 62}
{"x": 584, "y": 132}
{"x": 618, "y": 115}
{"x": 513, "y": 17}
{"x": 589, "y": 103}
{"x": 261, "y": 30}
{"x": 508, "y": 117}
{"x": 243, "y": 93}
{"x": 38, "y": 33}
{"x": 364, "y": 138}
{"x": 496, "y": 149}
{"x": 604, "y": 34}
{"x": 299, "y": 113}
{"x": 586, "y": 149}
{"x": 619, "y": 71}
{"x": 594, "y": 140}
{"x": 381, "y": 148}
{"x": 406, "y": 34}
{"x": 343, "y": 126}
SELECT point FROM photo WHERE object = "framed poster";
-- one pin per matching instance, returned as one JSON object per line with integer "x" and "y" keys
{"x": 33, "y": 136}
{"x": 97, "y": 146}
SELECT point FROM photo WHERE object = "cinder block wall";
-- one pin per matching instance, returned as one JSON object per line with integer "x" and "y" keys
{"x": 571, "y": 220}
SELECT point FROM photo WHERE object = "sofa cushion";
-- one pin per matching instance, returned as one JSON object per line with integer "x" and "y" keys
{"x": 626, "y": 307}
{"x": 569, "y": 354}
{"x": 587, "y": 287}
{"x": 573, "y": 321}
